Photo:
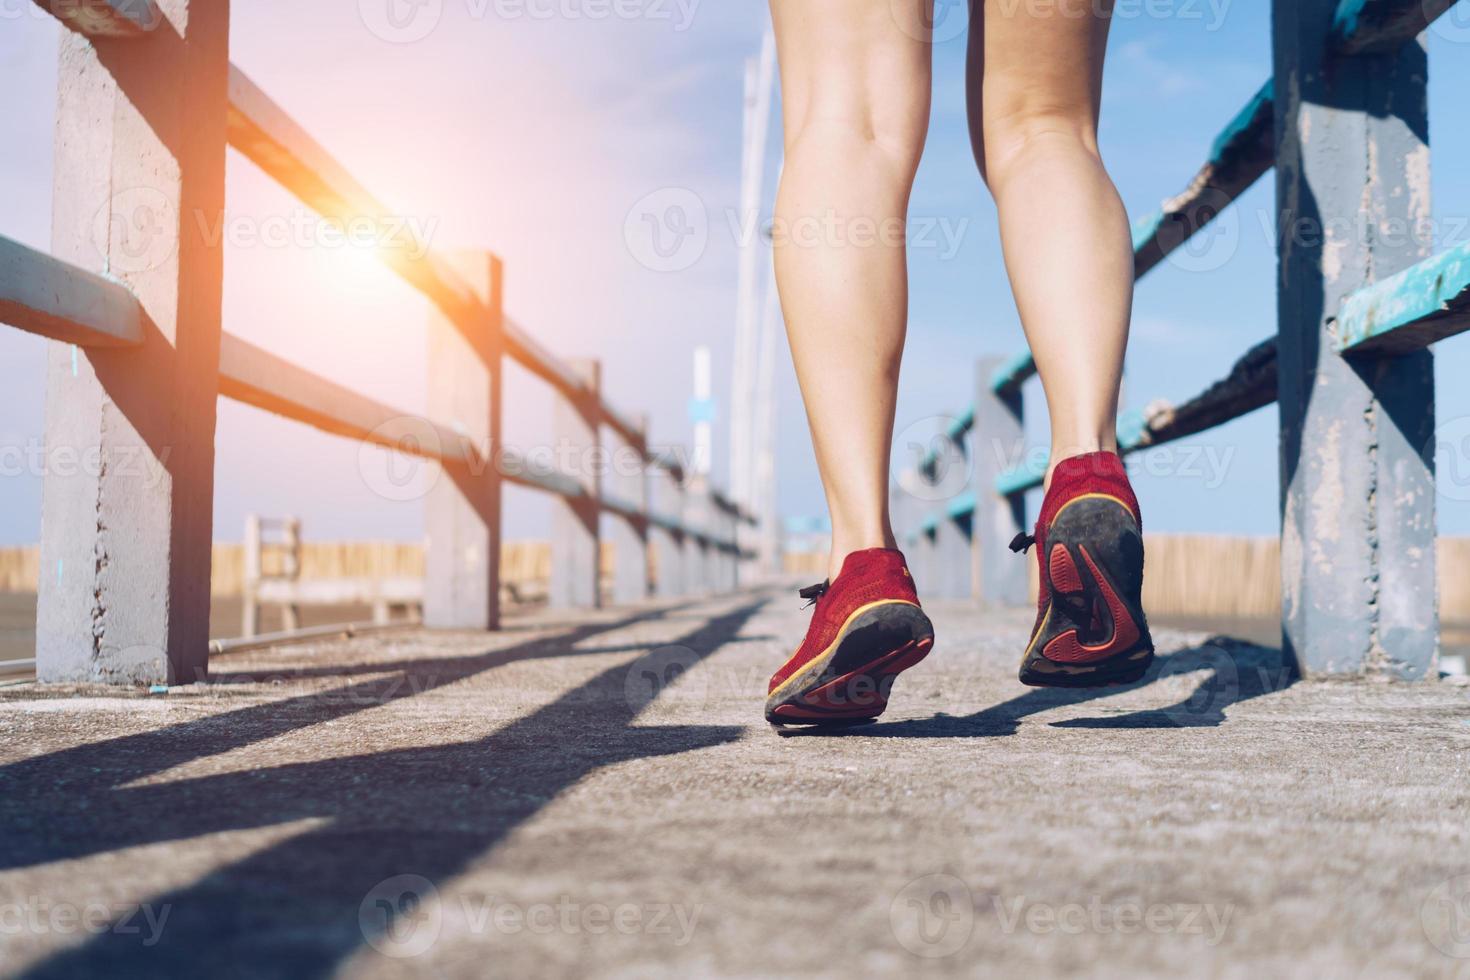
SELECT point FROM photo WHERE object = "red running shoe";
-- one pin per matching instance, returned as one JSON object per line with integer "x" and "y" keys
{"x": 1090, "y": 630}
{"x": 867, "y": 627}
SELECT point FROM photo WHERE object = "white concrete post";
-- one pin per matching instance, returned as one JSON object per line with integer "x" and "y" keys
{"x": 576, "y": 541}
{"x": 952, "y": 555}
{"x": 291, "y": 531}
{"x": 250, "y": 583}
{"x": 463, "y": 508}
{"x": 729, "y": 528}
{"x": 139, "y": 176}
{"x": 628, "y": 482}
{"x": 697, "y": 510}
{"x": 1357, "y": 445}
{"x": 667, "y": 548}
{"x": 997, "y": 441}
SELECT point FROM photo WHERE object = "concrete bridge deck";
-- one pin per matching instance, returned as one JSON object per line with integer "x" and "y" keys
{"x": 523, "y": 806}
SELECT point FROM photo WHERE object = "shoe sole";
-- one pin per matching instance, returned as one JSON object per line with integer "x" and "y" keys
{"x": 1094, "y": 568}
{"x": 850, "y": 681}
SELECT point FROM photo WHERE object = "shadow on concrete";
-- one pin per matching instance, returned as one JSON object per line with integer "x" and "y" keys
{"x": 438, "y": 670}
{"x": 1237, "y": 671}
{"x": 301, "y": 906}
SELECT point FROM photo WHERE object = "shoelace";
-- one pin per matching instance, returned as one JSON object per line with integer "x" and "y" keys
{"x": 1022, "y": 542}
{"x": 814, "y": 592}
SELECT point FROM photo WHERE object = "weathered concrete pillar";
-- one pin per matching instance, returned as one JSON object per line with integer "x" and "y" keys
{"x": 576, "y": 541}
{"x": 997, "y": 441}
{"x": 727, "y": 560}
{"x": 250, "y": 580}
{"x": 697, "y": 517}
{"x": 696, "y": 568}
{"x": 666, "y": 549}
{"x": 1357, "y": 481}
{"x": 291, "y": 570}
{"x": 128, "y": 496}
{"x": 462, "y": 510}
{"x": 902, "y": 517}
{"x": 627, "y": 481}
{"x": 952, "y": 555}
{"x": 921, "y": 558}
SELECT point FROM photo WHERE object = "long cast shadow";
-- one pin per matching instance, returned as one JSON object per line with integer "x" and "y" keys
{"x": 91, "y": 771}
{"x": 293, "y": 908}
{"x": 1238, "y": 671}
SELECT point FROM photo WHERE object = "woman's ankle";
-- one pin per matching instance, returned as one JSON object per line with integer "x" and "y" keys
{"x": 1068, "y": 449}
{"x": 842, "y": 547}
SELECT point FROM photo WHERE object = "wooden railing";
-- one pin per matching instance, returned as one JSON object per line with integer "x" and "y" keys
{"x": 148, "y": 102}
{"x": 1348, "y": 366}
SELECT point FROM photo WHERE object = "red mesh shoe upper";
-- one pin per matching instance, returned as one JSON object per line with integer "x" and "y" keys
{"x": 866, "y": 576}
{"x": 1100, "y": 472}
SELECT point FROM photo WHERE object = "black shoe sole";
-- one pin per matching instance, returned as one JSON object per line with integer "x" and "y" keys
{"x": 850, "y": 681}
{"x": 1094, "y": 633}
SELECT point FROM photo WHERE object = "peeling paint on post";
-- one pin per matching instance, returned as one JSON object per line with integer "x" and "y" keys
{"x": 1357, "y": 490}
{"x": 995, "y": 441}
{"x": 462, "y": 510}
{"x": 576, "y": 544}
{"x": 140, "y": 160}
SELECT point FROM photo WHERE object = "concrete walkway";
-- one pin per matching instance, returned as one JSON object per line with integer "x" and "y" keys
{"x": 521, "y": 804}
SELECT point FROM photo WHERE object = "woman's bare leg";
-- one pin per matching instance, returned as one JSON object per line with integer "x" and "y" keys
{"x": 1034, "y": 86}
{"x": 855, "y": 89}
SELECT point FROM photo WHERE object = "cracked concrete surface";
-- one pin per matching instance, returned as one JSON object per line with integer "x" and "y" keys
{"x": 599, "y": 796}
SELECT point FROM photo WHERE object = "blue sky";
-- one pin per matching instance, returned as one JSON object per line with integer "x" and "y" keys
{"x": 535, "y": 135}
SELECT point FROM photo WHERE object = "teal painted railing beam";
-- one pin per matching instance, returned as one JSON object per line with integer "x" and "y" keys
{"x": 44, "y": 295}
{"x": 956, "y": 431}
{"x": 1242, "y": 152}
{"x": 1030, "y": 474}
{"x": 1239, "y": 156}
{"x": 1013, "y": 373}
{"x": 1245, "y": 149}
{"x": 1409, "y": 311}
{"x": 105, "y": 18}
{"x": 1251, "y": 384}
{"x": 961, "y": 506}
